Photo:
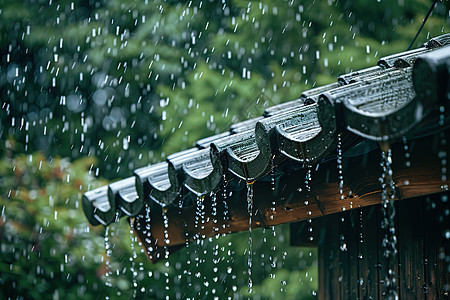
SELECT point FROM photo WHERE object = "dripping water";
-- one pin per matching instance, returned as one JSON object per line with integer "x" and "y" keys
{"x": 389, "y": 243}
{"x": 342, "y": 242}
{"x": 272, "y": 173}
{"x": 308, "y": 179}
{"x": 272, "y": 255}
{"x": 442, "y": 151}
{"x": 108, "y": 273}
{"x": 148, "y": 239}
{"x": 186, "y": 271}
{"x": 250, "y": 241}
{"x": 226, "y": 215}
{"x": 214, "y": 214}
{"x": 133, "y": 257}
{"x": 110, "y": 232}
{"x": 198, "y": 219}
{"x": 215, "y": 252}
{"x": 361, "y": 241}
{"x": 140, "y": 269}
{"x": 148, "y": 234}
{"x": 166, "y": 228}
{"x": 228, "y": 249}
{"x": 166, "y": 248}
{"x": 202, "y": 218}
{"x": 339, "y": 167}
{"x": 199, "y": 226}
{"x": 272, "y": 207}
{"x": 407, "y": 156}
{"x": 407, "y": 153}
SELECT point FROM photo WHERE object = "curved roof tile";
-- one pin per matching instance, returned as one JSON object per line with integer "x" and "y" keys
{"x": 377, "y": 103}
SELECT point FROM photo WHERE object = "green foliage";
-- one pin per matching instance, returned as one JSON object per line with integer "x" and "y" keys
{"x": 113, "y": 85}
{"x": 46, "y": 245}
{"x": 92, "y": 75}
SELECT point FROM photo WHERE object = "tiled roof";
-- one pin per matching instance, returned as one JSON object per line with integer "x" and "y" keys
{"x": 379, "y": 103}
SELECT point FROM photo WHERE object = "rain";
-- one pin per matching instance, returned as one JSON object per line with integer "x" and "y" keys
{"x": 92, "y": 90}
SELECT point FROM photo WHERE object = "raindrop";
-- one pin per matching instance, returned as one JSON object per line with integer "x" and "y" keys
{"x": 76, "y": 103}
{"x": 100, "y": 96}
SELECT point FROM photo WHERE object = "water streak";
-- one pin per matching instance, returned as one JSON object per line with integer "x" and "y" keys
{"x": 407, "y": 153}
{"x": 133, "y": 257}
{"x": 226, "y": 213}
{"x": 214, "y": 214}
{"x": 108, "y": 249}
{"x": 166, "y": 248}
{"x": 340, "y": 168}
{"x": 250, "y": 241}
{"x": 389, "y": 243}
{"x": 272, "y": 173}
{"x": 187, "y": 272}
{"x": 442, "y": 152}
{"x": 308, "y": 179}
{"x": 148, "y": 234}
{"x": 342, "y": 242}
{"x": 361, "y": 242}
{"x": 199, "y": 226}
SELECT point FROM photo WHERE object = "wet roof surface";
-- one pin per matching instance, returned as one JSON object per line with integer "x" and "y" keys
{"x": 380, "y": 103}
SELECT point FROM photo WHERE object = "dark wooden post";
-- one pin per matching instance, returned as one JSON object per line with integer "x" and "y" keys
{"x": 357, "y": 271}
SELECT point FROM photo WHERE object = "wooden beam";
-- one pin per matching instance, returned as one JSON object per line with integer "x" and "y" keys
{"x": 285, "y": 198}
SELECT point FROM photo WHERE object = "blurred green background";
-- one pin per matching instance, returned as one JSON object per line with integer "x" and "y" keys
{"x": 91, "y": 90}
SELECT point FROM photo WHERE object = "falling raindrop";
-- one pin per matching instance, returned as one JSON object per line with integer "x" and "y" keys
{"x": 106, "y": 66}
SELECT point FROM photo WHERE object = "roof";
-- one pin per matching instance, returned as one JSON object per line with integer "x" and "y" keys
{"x": 375, "y": 105}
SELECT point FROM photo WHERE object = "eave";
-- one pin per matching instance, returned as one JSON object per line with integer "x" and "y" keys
{"x": 404, "y": 96}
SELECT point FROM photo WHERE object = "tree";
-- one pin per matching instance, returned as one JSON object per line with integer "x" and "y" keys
{"x": 96, "y": 88}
